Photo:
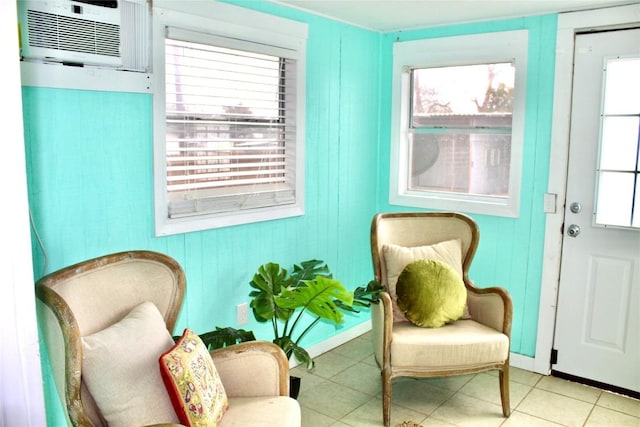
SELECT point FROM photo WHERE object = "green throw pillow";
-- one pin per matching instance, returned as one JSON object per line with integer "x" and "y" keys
{"x": 431, "y": 293}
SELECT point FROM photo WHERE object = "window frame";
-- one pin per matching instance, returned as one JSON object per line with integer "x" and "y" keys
{"x": 507, "y": 46}
{"x": 241, "y": 25}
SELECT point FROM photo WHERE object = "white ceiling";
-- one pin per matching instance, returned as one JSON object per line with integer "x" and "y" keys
{"x": 391, "y": 15}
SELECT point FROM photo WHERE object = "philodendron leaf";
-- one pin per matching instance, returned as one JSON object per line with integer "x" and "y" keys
{"x": 268, "y": 283}
{"x": 309, "y": 270}
{"x": 317, "y": 296}
{"x": 291, "y": 348}
{"x": 223, "y": 337}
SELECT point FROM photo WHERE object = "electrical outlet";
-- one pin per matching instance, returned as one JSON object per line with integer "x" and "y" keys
{"x": 242, "y": 314}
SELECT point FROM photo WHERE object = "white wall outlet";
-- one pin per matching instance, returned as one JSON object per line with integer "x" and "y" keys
{"x": 242, "y": 314}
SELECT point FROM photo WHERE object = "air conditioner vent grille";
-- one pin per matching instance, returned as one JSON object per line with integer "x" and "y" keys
{"x": 51, "y": 31}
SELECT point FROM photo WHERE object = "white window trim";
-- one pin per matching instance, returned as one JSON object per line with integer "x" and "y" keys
{"x": 449, "y": 51}
{"x": 234, "y": 22}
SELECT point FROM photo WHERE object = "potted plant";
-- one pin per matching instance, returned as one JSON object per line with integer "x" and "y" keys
{"x": 285, "y": 299}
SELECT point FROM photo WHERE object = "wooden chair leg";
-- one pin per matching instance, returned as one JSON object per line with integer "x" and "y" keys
{"x": 504, "y": 390}
{"x": 386, "y": 397}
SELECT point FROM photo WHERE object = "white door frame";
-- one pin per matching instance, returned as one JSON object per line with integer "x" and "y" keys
{"x": 21, "y": 388}
{"x": 568, "y": 25}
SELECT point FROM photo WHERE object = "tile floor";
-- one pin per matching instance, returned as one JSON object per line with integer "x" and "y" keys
{"x": 345, "y": 390}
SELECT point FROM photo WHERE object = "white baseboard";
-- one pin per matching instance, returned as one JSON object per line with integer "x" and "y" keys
{"x": 517, "y": 360}
{"x": 523, "y": 362}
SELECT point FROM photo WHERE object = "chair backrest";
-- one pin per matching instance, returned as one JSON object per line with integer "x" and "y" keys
{"x": 87, "y": 297}
{"x": 411, "y": 229}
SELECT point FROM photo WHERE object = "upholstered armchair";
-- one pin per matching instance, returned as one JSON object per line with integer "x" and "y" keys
{"x": 81, "y": 301}
{"x": 479, "y": 341}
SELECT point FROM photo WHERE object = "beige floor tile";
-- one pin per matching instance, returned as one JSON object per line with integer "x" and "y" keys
{"x": 603, "y": 417}
{"x": 371, "y": 360}
{"x": 358, "y": 349}
{"x": 329, "y": 364}
{"x": 308, "y": 380}
{"x": 433, "y": 422}
{"x": 555, "y": 407}
{"x": 487, "y": 387}
{"x": 518, "y": 375}
{"x": 620, "y": 403}
{"x": 370, "y": 414}
{"x": 465, "y": 411}
{"x": 570, "y": 389}
{"x": 417, "y": 395}
{"x": 453, "y": 383}
{"x": 523, "y": 376}
{"x": 519, "y": 419}
{"x": 315, "y": 418}
{"x": 333, "y": 400}
{"x": 361, "y": 377}
{"x": 340, "y": 424}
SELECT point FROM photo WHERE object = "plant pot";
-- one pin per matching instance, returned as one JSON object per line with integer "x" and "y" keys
{"x": 294, "y": 386}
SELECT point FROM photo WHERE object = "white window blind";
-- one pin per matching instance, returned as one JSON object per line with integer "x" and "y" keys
{"x": 230, "y": 124}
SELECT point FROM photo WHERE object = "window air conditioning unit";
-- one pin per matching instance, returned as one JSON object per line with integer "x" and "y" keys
{"x": 107, "y": 33}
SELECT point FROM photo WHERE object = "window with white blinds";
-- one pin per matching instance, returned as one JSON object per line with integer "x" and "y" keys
{"x": 231, "y": 129}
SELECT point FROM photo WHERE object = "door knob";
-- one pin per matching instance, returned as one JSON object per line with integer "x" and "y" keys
{"x": 573, "y": 230}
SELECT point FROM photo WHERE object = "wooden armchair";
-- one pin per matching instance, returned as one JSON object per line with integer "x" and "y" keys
{"x": 476, "y": 343}
{"x": 82, "y": 299}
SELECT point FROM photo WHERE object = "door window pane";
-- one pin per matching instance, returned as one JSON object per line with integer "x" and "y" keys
{"x": 622, "y": 94}
{"x": 615, "y": 196}
{"x": 618, "y": 169}
{"x": 619, "y": 143}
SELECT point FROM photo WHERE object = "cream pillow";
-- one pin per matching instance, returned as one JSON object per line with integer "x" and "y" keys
{"x": 396, "y": 258}
{"x": 120, "y": 369}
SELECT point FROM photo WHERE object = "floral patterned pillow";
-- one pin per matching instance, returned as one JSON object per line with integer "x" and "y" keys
{"x": 193, "y": 383}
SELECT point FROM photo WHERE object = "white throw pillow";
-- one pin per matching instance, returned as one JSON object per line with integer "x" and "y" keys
{"x": 120, "y": 369}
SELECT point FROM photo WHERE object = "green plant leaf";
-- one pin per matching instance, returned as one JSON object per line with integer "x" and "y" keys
{"x": 223, "y": 337}
{"x": 317, "y": 296}
{"x": 268, "y": 283}
{"x": 309, "y": 270}
{"x": 365, "y": 296}
{"x": 291, "y": 348}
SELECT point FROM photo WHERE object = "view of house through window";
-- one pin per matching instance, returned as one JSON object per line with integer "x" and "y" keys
{"x": 460, "y": 129}
{"x": 618, "y": 199}
{"x": 230, "y": 129}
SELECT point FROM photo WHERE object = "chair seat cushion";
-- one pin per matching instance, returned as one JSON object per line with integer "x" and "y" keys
{"x": 268, "y": 411}
{"x": 465, "y": 343}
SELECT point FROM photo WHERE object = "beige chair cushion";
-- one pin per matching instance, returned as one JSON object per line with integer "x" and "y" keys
{"x": 120, "y": 368}
{"x": 465, "y": 343}
{"x": 396, "y": 258}
{"x": 281, "y": 411}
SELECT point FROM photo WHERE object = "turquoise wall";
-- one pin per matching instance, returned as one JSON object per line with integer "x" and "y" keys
{"x": 510, "y": 253}
{"x": 90, "y": 178}
{"x": 91, "y": 187}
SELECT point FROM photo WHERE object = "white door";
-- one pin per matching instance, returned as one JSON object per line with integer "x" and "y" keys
{"x": 597, "y": 334}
